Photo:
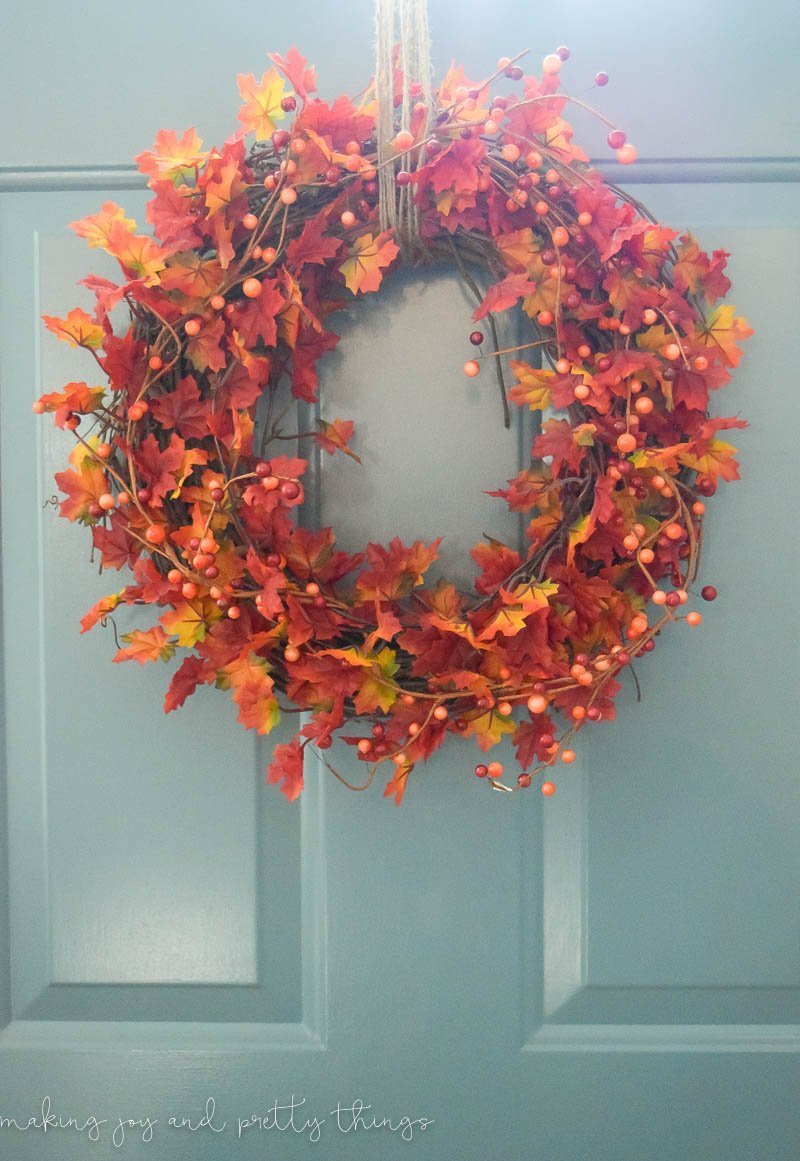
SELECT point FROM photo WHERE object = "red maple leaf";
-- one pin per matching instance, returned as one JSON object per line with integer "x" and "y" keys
{"x": 311, "y": 247}
{"x": 183, "y": 409}
{"x": 259, "y": 319}
{"x": 456, "y": 167}
{"x": 170, "y": 213}
{"x": 324, "y": 722}
{"x": 300, "y": 75}
{"x": 311, "y": 346}
{"x": 504, "y": 294}
{"x": 125, "y": 363}
{"x": 158, "y": 468}
{"x": 191, "y": 672}
{"x": 287, "y": 767}
{"x": 526, "y": 740}
{"x": 338, "y": 123}
{"x": 556, "y": 441}
{"x": 496, "y": 561}
{"x": 117, "y": 549}
{"x": 396, "y": 570}
{"x": 204, "y": 351}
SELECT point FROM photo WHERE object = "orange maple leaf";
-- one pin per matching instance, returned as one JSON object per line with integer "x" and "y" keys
{"x": 262, "y": 107}
{"x": 716, "y": 458}
{"x": 248, "y": 677}
{"x": 137, "y": 253}
{"x": 96, "y": 227}
{"x": 368, "y": 258}
{"x": 82, "y": 487}
{"x": 222, "y": 186}
{"x": 77, "y": 328}
{"x": 335, "y": 436}
{"x": 397, "y": 783}
{"x": 145, "y": 645}
{"x": 172, "y": 157}
{"x": 78, "y": 397}
{"x": 192, "y": 275}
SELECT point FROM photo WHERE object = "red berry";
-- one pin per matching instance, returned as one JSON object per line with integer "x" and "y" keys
{"x": 290, "y": 490}
{"x": 217, "y": 495}
{"x": 155, "y": 534}
{"x": 523, "y": 780}
{"x": 476, "y": 338}
{"x": 263, "y": 468}
{"x": 289, "y": 104}
{"x": 708, "y": 593}
{"x": 616, "y": 138}
{"x": 601, "y": 79}
{"x": 481, "y": 770}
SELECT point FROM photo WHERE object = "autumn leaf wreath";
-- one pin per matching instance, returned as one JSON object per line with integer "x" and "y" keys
{"x": 229, "y": 303}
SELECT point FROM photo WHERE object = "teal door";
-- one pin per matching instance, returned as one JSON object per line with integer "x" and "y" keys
{"x": 612, "y": 974}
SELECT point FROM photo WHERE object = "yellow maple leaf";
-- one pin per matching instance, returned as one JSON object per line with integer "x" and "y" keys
{"x": 579, "y": 533}
{"x": 533, "y": 386}
{"x": 376, "y": 690}
{"x": 262, "y": 102}
{"x": 723, "y": 330}
{"x": 189, "y": 621}
{"x": 489, "y": 728}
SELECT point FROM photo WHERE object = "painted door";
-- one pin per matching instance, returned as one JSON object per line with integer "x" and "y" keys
{"x": 612, "y": 974}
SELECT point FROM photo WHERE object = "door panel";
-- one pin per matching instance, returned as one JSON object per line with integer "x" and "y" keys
{"x": 610, "y": 974}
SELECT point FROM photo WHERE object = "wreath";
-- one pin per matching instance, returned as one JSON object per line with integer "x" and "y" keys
{"x": 181, "y": 467}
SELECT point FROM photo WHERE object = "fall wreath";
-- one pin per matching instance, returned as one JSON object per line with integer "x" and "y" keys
{"x": 181, "y": 473}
